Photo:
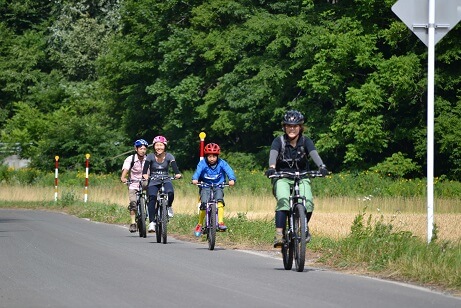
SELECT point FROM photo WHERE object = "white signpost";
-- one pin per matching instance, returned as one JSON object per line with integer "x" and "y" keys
{"x": 430, "y": 20}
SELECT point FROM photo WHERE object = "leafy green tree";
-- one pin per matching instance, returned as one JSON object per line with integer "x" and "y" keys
{"x": 80, "y": 34}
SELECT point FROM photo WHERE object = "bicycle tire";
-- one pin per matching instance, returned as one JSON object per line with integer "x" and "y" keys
{"x": 299, "y": 236}
{"x": 287, "y": 252}
{"x": 212, "y": 227}
{"x": 142, "y": 217}
{"x": 164, "y": 219}
{"x": 158, "y": 224}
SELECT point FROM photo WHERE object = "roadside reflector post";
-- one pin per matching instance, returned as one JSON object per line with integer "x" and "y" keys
{"x": 56, "y": 165}
{"x": 87, "y": 164}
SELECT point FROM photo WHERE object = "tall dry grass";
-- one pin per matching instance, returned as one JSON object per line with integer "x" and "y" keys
{"x": 332, "y": 216}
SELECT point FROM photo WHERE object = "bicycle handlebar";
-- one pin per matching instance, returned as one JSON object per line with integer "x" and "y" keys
{"x": 296, "y": 174}
{"x": 130, "y": 181}
{"x": 203, "y": 184}
{"x": 162, "y": 177}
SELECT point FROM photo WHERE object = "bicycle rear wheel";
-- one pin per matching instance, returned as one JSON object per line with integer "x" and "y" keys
{"x": 164, "y": 219}
{"x": 212, "y": 227}
{"x": 299, "y": 230}
{"x": 141, "y": 216}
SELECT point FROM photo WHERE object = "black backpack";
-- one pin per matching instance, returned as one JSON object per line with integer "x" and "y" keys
{"x": 302, "y": 150}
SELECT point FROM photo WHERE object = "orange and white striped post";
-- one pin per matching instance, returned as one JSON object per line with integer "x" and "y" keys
{"x": 202, "y": 136}
{"x": 56, "y": 165}
{"x": 87, "y": 164}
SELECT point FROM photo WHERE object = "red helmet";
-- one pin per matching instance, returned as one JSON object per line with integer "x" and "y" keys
{"x": 212, "y": 148}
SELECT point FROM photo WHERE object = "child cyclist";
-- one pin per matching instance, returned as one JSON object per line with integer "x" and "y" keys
{"x": 132, "y": 167}
{"x": 212, "y": 170}
{"x": 159, "y": 163}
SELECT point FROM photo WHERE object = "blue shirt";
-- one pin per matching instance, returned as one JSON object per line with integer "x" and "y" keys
{"x": 215, "y": 174}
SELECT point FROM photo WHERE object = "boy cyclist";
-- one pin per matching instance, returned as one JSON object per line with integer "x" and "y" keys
{"x": 132, "y": 166}
{"x": 212, "y": 170}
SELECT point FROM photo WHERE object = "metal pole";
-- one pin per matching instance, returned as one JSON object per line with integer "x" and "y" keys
{"x": 430, "y": 120}
{"x": 202, "y": 136}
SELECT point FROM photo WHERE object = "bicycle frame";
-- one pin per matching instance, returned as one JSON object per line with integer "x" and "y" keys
{"x": 161, "y": 217}
{"x": 141, "y": 208}
{"x": 211, "y": 217}
{"x": 295, "y": 231}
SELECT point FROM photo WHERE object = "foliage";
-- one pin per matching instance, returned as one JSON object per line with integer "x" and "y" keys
{"x": 396, "y": 166}
{"x": 371, "y": 184}
{"x": 98, "y": 74}
{"x": 376, "y": 245}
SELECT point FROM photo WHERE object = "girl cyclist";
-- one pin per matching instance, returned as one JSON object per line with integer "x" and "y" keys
{"x": 158, "y": 163}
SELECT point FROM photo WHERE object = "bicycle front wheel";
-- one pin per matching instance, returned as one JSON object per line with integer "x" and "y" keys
{"x": 164, "y": 220}
{"x": 299, "y": 236}
{"x": 142, "y": 217}
{"x": 287, "y": 251}
{"x": 158, "y": 223}
{"x": 212, "y": 226}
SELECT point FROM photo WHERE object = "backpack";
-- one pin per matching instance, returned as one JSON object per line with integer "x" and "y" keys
{"x": 132, "y": 164}
{"x": 282, "y": 151}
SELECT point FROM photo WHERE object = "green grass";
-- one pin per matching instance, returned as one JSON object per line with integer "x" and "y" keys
{"x": 344, "y": 184}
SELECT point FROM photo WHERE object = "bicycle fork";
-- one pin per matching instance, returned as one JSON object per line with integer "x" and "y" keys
{"x": 208, "y": 214}
{"x": 293, "y": 204}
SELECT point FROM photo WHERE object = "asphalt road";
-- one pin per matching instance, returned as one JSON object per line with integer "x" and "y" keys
{"x": 56, "y": 260}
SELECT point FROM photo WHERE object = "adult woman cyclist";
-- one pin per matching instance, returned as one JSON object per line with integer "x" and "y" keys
{"x": 289, "y": 153}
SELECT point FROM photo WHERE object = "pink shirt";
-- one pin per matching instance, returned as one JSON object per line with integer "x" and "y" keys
{"x": 136, "y": 171}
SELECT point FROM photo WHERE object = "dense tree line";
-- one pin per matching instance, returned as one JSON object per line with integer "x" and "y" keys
{"x": 82, "y": 77}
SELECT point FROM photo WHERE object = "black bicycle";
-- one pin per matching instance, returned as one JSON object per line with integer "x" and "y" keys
{"x": 211, "y": 218}
{"x": 161, "y": 218}
{"x": 295, "y": 232}
{"x": 141, "y": 208}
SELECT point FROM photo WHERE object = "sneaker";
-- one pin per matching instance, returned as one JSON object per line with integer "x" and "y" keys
{"x": 133, "y": 228}
{"x": 151, "y": 227}
{"x": 170, "y": 212}
{"x": 222, "y": 226}
{"x": 198, "y": 230}
{"x": 278, "y": 239}
{"x": 308, "y": 235}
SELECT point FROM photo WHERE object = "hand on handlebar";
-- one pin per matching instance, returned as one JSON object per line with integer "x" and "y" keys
{"x": 323, "y": 170}
{"x": 269, "y": 172}
{"x": 231, "y": 182}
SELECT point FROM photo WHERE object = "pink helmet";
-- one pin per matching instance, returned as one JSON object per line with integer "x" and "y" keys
{"x": 160, "y": 139}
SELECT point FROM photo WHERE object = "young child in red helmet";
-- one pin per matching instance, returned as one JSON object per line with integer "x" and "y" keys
{"x": 212, "y": 170}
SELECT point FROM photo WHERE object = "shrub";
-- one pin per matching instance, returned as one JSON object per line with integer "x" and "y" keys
{"x": 396, "y": 166}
